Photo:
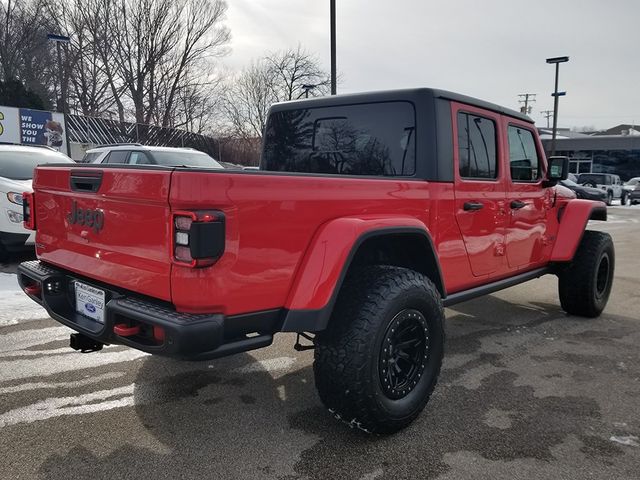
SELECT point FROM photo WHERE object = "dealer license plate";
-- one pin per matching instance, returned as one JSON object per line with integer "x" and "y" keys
{"x": 90, "y": 301}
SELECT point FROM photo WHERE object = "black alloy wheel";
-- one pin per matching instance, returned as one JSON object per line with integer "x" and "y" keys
{"x": 404, "y": 353}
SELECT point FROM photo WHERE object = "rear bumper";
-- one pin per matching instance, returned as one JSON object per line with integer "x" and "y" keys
{"x": 162, "y": 330}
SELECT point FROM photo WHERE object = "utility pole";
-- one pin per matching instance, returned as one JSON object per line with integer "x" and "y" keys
{"x": 524, "y": 98}
{"x": 547, "y": 114}
{"x": 333, "y": 47}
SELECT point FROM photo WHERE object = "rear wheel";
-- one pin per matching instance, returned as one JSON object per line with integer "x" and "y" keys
{"x": 378, "y": 361}
{"x": 585, "y": 284}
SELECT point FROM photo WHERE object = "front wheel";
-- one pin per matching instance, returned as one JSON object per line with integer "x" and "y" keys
{"x": 585, "y": 284}
{"x": 623, "y": 199}
{"x": 609, "y": 198}
{"x": 378, "y": 361}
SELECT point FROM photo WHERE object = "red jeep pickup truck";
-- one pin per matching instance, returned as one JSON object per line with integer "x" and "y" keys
{"x": 368, "y": 215}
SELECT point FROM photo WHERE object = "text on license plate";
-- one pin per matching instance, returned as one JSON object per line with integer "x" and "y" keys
{"x": 90, "y": 301}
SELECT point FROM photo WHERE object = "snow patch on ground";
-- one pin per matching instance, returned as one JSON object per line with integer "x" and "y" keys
{"x": 15, "y": 306}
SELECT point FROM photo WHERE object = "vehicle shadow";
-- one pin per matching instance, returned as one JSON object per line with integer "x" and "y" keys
{"x": 238, "y": 418}
{"x": 10, "y": 264}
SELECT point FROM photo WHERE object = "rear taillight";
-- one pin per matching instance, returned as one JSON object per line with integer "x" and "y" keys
{"x": 28, "y": 211}
{"x": 197, "y": 238}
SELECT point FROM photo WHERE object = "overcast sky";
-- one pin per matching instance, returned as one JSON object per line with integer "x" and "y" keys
{"x": 491, "y": 49}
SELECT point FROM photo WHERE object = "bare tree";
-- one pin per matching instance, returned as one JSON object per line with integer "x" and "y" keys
{"x": 24, "y": 53}
{"x": 155, "y": 42}
{"x": 296, "y": 72}
{"x": 279, "y": 76}
{"x": 249, "y": 96}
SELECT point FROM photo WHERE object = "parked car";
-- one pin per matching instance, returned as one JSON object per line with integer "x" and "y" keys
{"x": 137, "y": 154}
{"x": 16, "y": 172}
{"x": 582, "y": 191}
{"x": 610, "y": 184}
{"x": 359, "y": 227}
{"x": 632, "y": 187}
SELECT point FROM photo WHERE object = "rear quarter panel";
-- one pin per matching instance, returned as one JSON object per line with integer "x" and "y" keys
{"x": 270, "y": 223}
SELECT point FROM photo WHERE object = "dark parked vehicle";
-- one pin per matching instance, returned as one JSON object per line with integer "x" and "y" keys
{"x": 582, "y": 191}
{"x": 610, "y": 184}
{"x": 632, "y": 189}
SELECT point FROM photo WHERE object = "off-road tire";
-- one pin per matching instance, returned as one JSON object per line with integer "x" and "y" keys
{"x": 349, "y": 359}
{"x": 585, "y": 284}
{"x": 623, "y": 199}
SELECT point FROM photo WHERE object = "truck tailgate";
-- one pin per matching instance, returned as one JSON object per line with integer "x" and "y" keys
{"x": 109, "y": 224}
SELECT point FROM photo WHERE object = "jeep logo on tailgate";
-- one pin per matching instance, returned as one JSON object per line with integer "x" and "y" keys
{"x": 90, "y": 218}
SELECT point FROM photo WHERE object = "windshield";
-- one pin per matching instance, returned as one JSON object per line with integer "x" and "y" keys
{"x": 190, "y": 159}
{"x": 19, "y": 165}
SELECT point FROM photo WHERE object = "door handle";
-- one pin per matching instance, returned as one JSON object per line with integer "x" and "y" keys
{"x": 472, "y": 206}
{"x": 517, "y": 204}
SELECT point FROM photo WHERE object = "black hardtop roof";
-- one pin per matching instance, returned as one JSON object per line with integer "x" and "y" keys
{"x": 399, "y": 94}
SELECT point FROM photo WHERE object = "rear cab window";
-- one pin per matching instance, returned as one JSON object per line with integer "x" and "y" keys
{"x": 364, "y": 139}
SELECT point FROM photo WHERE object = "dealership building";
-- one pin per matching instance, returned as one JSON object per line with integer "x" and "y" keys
{"x": 616, "y": 150}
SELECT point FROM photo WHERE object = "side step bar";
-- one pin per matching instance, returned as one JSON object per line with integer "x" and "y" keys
{"x": 472, "y": 293}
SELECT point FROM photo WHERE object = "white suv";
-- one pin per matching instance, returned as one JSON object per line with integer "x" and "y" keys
{"x": 136, "y": 154}
{"x": 16, "y": 173}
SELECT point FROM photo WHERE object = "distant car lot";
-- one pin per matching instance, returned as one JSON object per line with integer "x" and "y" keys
{"x": 137, "y": 154}
{"x": 526, "y": 392}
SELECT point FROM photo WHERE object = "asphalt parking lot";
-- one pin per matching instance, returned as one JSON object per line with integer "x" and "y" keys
{"x": 526, "y": 392}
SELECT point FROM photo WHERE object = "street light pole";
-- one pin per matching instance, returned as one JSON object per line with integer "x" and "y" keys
{"x": 333, "y": 47}
{"x": 58, "y": 39}
{"x": 557, "y": 61}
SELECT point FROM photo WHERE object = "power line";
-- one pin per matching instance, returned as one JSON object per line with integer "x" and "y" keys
{"x": 525, "y": 98}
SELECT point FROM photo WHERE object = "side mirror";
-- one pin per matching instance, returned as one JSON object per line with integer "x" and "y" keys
{"x": 558, "y": 169}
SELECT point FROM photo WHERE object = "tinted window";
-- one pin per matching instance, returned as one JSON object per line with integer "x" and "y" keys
{"x": 477, "y": 147}
{"x": 19, "y": 165}
{"x": 591, "y": 178}
{"x": 523, "y": 155}
{"x": 187, "y": 158}
{"x": 90, "y": 157}
{"x": 372, "y": 139}
{"x": 139, "y": 158}
{"x": 117, "y": 156}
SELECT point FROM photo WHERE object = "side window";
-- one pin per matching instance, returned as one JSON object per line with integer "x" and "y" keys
{"x": 477, "y": 146}
{"x": 90, "y": 157}
{"x": 117, "y": 156}
{"x": 139, "y": 158}
{"x": 523, "y": 156}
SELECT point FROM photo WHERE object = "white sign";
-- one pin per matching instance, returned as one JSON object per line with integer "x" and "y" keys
{"x": 9, "y": 125}
{"x": 33, "y": 127}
